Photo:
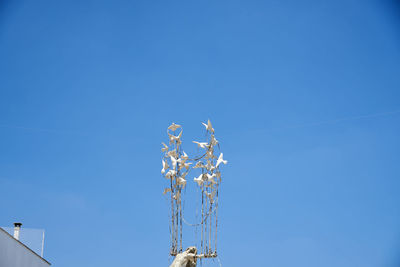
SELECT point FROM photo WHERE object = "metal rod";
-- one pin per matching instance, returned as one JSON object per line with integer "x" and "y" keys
{"x": 172, "y": 218}
{"x": 216, "y": 221}
{"x": 209, "y": 239}
{"x": 180, "y": 210}
{"x": 202, "y": 216}
{"x": 42, "y": 245}
{"x": 205, "y": 224}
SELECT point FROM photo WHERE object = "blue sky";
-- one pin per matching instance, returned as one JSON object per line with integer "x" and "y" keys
{"x": 304, "y": 97}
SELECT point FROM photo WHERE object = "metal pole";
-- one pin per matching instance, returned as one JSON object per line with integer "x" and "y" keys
{"x": 42, "y": 245}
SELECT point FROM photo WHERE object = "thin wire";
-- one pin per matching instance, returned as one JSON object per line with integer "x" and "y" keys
{"x": 197, "y": 217}
{"x": 216, "y": 221}
{"x": 172, "y": 218}
{"x": 210, "y": 231}
{"x": 205, "y": 227}
{"x": 177, "y": 224}
{"x": 202, "y": 216}
{"x": 200, "y": 223}
{"x": 169, "y": 226}
{"x": 180, "y": 205}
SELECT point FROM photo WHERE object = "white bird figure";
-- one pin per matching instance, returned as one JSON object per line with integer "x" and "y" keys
{"x": 199, "y": 180}
{"x": 221, "y": 160}
{"x": 184, "y": 156}
{"x": 201, "y": 144}
{"x": 181, "y": 181}
{"x": 209, "y": 154}
{"x": 213, "y": 141}
{"x": 181, "y": 160}
{"x": 172, "y": 153}
{"x": 184, "y": 165}
{"x": 166, "y": 190}
{"x": 209, "y": 166}
{"x": 170, "y": 174}
{"x": 173, "y": 127}
{"x": 178, "y": 138}
{"x": 173, "y": 138}
{"x": 165, "y": 148}
{"x": 183, "y": 175}
{"x": 211, "y": 196}
{"x": 165, "y": 166}
{"x": 199, "y": 164}
{"x": 173, "y": 161}
{"x": 210, "y": 178}
{"x": 176, "y": 196}
{"x": 208, "y": 126}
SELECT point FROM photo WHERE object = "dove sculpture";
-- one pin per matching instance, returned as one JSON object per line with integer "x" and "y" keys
{"x": 183, "y": 175}
{"x": 199, "y": 180}
{"x": 166, "y": 190}
{"x": 181, "y": 160}
{"x": 211, "y": 196}
{"x": 177, "y": 167}
{"x": 176, "y": 196}
{"x": 173, "y": 138}
{"x": 201, "y": 144}
{"x": 172, "y": 153}
{"x": 181, "y": 181}
{"x": 184, "y": 156}
{"x": 170, "y": 174}
{"x": 208, "y": 126}
{"x": 173, "y": 161}
{"x": 165, "y": 148}
{"x": 221, "y": 160}
{"x": 210, "y": 178}
{"x": 209, "y": 166}
{"x": 199, "y": 164}
{"x": 209, "y": 154}
{"x": 165, "y": 166}
{"x": 173, "y": 127}
{"x": 184, "y": 165}
{"x": 213, "y": 141}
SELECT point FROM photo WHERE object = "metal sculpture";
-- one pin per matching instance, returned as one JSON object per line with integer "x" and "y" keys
{"x": 176, "y": 164}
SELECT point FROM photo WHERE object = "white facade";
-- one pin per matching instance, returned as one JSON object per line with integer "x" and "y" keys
{"x": 15, "y": 254}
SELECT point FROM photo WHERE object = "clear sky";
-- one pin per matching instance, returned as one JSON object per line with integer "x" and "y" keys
{"x": 304, "y": 97}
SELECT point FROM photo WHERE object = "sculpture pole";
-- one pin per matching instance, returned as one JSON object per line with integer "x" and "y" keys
{"x": 176, "y": 165}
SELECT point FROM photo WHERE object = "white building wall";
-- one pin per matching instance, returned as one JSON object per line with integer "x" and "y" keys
{"x": 15, "y": 254}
